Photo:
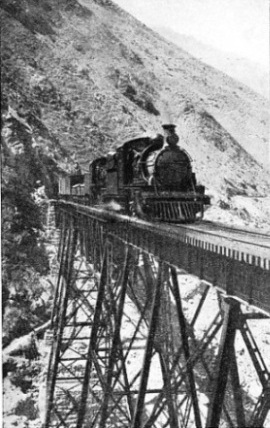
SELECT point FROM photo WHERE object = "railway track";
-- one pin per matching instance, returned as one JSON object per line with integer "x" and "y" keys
{"x": 241, "y": 244}
{"x": 246, "y": 234}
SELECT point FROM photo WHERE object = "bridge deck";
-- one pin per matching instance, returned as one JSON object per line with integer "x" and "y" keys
{"x": 235, "y": 260}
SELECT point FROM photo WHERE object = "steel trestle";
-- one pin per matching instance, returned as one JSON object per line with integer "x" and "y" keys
{"x": 134, "y": 347}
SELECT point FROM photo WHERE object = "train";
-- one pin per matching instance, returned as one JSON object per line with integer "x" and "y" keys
{"x": 150, "y": 178}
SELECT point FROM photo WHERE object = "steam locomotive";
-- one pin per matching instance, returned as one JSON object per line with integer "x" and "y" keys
{"x": 150, "y": 178}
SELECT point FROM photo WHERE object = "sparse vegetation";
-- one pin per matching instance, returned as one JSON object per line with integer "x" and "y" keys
{"x": 140, "y": 100}
{"x": 24, "y": 256}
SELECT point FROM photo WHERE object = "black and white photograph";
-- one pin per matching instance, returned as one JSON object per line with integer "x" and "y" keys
{"x": 135, "y": 213}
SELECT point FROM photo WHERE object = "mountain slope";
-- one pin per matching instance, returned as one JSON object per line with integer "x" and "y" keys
{"x": 241, "y": 69}
{"x": 96, "y": 77}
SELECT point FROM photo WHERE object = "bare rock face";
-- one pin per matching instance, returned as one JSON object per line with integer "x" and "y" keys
{"x": 97, "y": 75}
{"x": 25, "y": 345}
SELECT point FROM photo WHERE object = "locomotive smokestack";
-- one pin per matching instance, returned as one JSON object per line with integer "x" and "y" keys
{"x": 169, "y": 127}
{"x": 170, "y": 136}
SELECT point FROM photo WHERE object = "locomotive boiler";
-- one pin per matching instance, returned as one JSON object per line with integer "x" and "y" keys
{"x": 147, "y": 177}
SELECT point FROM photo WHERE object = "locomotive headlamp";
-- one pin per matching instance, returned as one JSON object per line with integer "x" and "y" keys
{"x": 172, "y": 139}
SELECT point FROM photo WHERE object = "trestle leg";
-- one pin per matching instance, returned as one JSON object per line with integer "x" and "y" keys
{"x": 185, "y": 344}
{"x": 226, "y": 349}
{"x": 66, "y": 278}
{"x": 93, "y": 340}
{"x": 237, "y": 392}
{"x": 116, "y": 347}
{"x": 137, "y": 421}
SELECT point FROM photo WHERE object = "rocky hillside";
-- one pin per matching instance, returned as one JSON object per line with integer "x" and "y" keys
{"x": 249, "y": 73}
{"x": 92, "y": 76}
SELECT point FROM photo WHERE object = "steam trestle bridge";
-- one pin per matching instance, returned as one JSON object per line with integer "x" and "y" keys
{"x": 135, "y": 347}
